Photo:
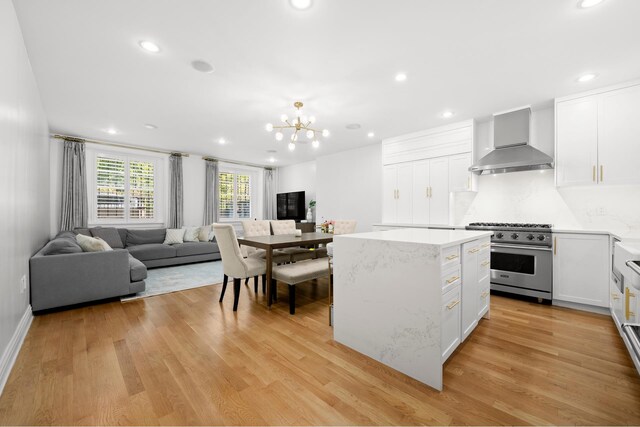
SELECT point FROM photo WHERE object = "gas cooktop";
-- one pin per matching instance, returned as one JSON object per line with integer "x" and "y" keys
{"x": 516, "y": 233}
{"x": 501, "y": 225}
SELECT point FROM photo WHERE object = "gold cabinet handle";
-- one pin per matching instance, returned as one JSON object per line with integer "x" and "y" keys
{"x": 601, "y": 173}
{"x": 426, "y": 192}
{"x": 484, "y": 294}
{"x": 453, "y": 279}
{"x": 615, "y": 297}
{"x": 627, "y": 310}
{"x": 484, "y": 264}
{"x": 473, "y": 251}
{"x": 453, "y": 304}
{"x": 486, "y": 245}
{"x": 398, "y": 193}
{"x": 555, "y": 245}
{"x": 594, "y": 173}
{"x": 468, "y": 183}
{"x": 450, "y": 257}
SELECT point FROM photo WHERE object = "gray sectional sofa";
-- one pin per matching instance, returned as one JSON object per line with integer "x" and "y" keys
{"x": 61, "y": 274}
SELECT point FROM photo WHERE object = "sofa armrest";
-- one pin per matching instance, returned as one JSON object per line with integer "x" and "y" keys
{"x": 60, "y": 280}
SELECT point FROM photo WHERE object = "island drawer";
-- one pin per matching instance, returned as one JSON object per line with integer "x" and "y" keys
{"x": 450, "y": 256}
{"x": 450, "y": 278}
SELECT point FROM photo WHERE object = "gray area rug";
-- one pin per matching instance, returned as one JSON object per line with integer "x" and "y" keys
{"x": 165, "y": 280}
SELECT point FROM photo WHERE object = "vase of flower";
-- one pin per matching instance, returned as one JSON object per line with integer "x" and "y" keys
{"x": 312, "y": 204}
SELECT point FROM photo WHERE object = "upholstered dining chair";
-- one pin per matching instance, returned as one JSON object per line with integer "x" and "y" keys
{"x": 283, "y": 227}
{"x": 233, "y": 263}
{"x": 340, "y": 226}
{"x": 254, "y": 228}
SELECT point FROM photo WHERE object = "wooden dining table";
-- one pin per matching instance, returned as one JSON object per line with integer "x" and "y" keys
{"x": 269, "y": 243}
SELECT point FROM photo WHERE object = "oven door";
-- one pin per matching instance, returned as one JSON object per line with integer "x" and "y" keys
{"x": 527, "y": 268}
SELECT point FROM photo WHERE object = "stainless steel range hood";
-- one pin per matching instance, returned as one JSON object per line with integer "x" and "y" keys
{"x": 512, "y": 151}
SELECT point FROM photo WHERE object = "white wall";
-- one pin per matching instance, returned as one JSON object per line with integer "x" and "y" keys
{"x": 24, "y": 186}
{"x": 349, "y": 186}
{"x": 532, "y": 196}
{"x": 298, "y": 177}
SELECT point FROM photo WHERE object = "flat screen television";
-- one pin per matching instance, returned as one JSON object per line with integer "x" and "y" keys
{"x": 291, "y": 206}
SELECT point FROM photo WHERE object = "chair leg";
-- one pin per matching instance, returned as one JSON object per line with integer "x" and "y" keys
{"x": 255, "y": 284}
{"x": 236, "y": 293}
{"x": 292, "y": 299}
{"x": 264, "y": 283}
{"x": 224, "y": 286}
{"x": 274, "y": 290}
{"x": 246, "y": 281}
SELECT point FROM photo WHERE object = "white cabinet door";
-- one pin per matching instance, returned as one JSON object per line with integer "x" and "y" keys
{"x": 483, "y": 296}
{"x": 619, "y": 136}
{"x": 459, "y": 175}
{"x": 421, "y": 192}
{"x": 577, "y": 142}
{"x": 389, "y": 179}
{"x": 439, "y": 183}
{"x": 581, "y": 269}
{"x": 450, "y": 332}
{"x": 405, "y": 190}
{"x": 469, "y": 317}
{"x": 616, "y": 305}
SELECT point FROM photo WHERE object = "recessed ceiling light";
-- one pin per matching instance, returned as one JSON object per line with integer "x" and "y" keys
{"x": 352, "y": 126}
{"x": 586, "y": 77}
{"x": 292, "y": 146}
{"x": 400, "y": 77}
{"x": 111, "y": 131}
{"x": 301, "y": 4}
{"x": 150, "y": 126}
{"x": 149, "y": 46}
{"x": 447, "y": 114}
{"x": 202, "y": 66}
{"x": 371, "y": 134}
{"x": 588, "y": 3}
{"x": 222, "y": 141}
{"x": 315, "y": 143}
{"x": 272, "y": 160}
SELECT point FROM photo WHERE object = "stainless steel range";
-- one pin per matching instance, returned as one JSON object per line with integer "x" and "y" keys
{"x": 521, "y": 258}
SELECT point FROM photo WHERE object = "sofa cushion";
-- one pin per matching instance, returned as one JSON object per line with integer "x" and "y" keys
{"x": 137, "y": 270}
{"x": 109, "y": 235}
{"x": 195, "y": 248}
{"x": 152, "y": 251}
{"x": 62, "y": 244}
{"x": 92, "y": 244}
{"x": 145, "y": 237}
{"x": 123, "y": 235}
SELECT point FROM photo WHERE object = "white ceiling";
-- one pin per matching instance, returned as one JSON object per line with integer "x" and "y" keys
{"x": 340, "y": 57}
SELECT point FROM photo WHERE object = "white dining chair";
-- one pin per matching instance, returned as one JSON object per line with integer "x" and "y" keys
{"x": 234, "y": 264}
{"x": 288, "y": 227}
{"x": 255, "y": 228}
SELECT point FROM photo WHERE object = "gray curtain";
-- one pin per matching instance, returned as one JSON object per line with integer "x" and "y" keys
{"x": 211, "y": 192}
{"x": 176, "y": 206}
{"x": 75, "y": 206}
{"x": 270, "y": 183}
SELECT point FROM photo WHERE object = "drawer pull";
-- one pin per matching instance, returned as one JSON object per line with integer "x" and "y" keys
{"x": 484, "y": 264}
{"x": 484, "y": 294}
{"x": 453, "y": 304}
{"x": 453, "y": 279}
{"x": 615, "y": 297}
{"x": 450, "y": 257}
{"x": 473, "y": 251}
{"x": 486, "y": 245}
{"x": 627, "y": 309}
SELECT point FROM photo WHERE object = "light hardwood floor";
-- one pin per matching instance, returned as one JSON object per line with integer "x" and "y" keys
{"x": 183, "y": 358}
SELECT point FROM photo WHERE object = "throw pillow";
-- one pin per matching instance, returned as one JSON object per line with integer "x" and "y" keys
{"x": 203, "y": 233}
{"x": 191, "y": 234}
{"x": 174, "y": 235}
{"x": 109, "y": 235}
{"x": 62, "y": 245}
{"x": 92, "y": 244}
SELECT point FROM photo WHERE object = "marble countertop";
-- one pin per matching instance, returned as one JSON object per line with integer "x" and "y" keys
{"x": 436, "y": 237}
{"x": 439, "y": 226}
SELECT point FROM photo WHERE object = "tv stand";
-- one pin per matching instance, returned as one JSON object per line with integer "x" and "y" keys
{"x": 306, "y": 227}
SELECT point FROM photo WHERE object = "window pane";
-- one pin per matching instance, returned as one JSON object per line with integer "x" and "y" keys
{"x": 110, "y": 187}
{"x": 225, "y": 195}
{"x": 243, "y": 202}
{"x": 141, "y": 190}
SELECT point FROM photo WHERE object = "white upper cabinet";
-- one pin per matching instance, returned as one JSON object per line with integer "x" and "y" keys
{"x": 389, "y": 191}
{"x": 397, "y": 188}
{"x": 619, "y": 136}
{"x": 405, "y": 190}
{"x": 598, "y": 137}
{"x": 421, "y": 192}
{"x": 439, "y": 191}
{"x": 460, "y": 179}
{"x": 577, "y": 142}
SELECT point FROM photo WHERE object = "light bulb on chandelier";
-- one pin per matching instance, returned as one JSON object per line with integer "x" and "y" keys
{"x": 298, "y": 123}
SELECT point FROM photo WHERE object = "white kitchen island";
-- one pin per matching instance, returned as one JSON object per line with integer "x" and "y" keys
{"x": 400, "y": 296}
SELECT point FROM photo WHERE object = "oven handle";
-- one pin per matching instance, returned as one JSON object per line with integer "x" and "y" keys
{"x": 526, "y": 247}
{"x": 632, "y": 265}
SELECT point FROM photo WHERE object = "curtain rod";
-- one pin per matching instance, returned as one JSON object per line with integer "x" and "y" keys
{"x": 117, "y": 144}
{"x": 153, "y": 150}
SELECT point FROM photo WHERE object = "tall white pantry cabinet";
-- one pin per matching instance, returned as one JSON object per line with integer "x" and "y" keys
{"x": 420, "y": 170}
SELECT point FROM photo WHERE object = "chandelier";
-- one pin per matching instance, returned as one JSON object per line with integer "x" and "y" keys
{"x": 299, "y": 123}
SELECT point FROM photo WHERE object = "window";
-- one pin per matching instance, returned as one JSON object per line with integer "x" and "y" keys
{"x": 234, "y": 195}
{"x": 125, "y": 189}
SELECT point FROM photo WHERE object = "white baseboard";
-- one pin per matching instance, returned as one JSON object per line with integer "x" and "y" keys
{"x": 583, "y": 307}
{"x": 13, "y": 348}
